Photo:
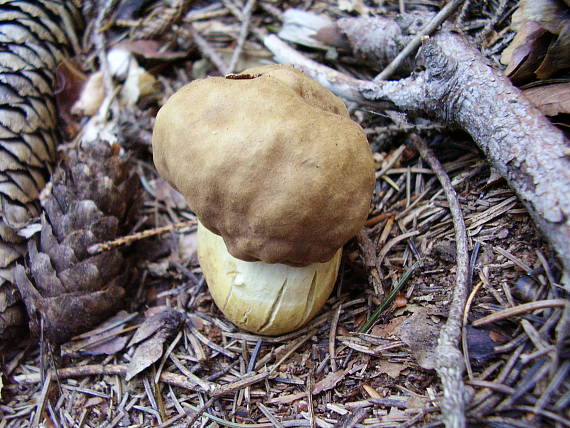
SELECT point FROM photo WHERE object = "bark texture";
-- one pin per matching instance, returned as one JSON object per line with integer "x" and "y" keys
{"x": 94, "y": 197}
{"x": 461, "y": 89}
{"x": 35, "y": 36}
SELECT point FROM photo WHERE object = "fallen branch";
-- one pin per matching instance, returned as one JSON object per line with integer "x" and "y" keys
{"x": 173, "y": 379}
{"x": 459, "y": 88}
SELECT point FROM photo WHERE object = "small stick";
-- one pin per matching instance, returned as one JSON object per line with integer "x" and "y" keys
{"x": 254, "y": 355}
{"x": 495, "y": 386}
{"x": 464, "y": 342}
{"x": 246, "y": 19}
{"x": 42, "y": 400}
{"x": 344, "y": 86}
{"x": 244, "y": 382}
{"x": 269, "y": 416}
{"x": 332, "y": 337}
{"x": 394, "y": 157}
{"x": 109, "y": 369}
{"x": 207, "y": 51}
{"x": 386, "y": 248}
{"x": 450, "y": 365}
{"x": 373, "y": 221}
{"x": 519, "y": 310}
{"x": 414, "y": 44}
{"x": 311, "y": 405}
{"x": 293, "y": 349}
{"x": 199, "y": 413}
{"x": 129, "y": 239}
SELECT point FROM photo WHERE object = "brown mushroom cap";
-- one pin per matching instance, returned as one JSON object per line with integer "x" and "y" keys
{"x": 270, "y": 161}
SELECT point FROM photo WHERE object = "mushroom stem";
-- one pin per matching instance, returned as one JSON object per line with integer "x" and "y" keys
{"x": 264, "y": 298}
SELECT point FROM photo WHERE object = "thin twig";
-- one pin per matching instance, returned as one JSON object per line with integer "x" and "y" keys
{"x": 464, "y": 341}
{"x": 246, "y": 14}
{"x": 244, "y": 381}
{"x": 296, "y": 346}
{"x": 332, "y": 337}
{"x": 414, "y": 44}
{"x": 109, "y": 369}
{"x": 386, "y": 248}
{"x": 310, "y": 405}
{"x": 206, "y": 50}
{"x": 200, "y": 412}
{"x": 520, "y": 310}
{"x": 345, "y": 86}
{"x": 269, "y": 416}
{"x": 450, "y": 365}
{"x": 124, "y": 240}
{"x": 40, "y": 407}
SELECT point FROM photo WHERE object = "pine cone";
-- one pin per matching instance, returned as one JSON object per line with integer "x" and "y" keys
{"x": 35, "y": 36}
{"x": 94, "y": 198}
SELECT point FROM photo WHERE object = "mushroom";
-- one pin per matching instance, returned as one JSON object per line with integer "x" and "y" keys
{"x": 280, "y": 179}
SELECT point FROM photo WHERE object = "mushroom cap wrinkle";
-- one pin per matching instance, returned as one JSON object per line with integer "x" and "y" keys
{"x": 264, "y": 298}
{"x": 270, "y": 161}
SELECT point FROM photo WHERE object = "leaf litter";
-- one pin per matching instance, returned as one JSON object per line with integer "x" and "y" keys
{"x": 221, "y": 375}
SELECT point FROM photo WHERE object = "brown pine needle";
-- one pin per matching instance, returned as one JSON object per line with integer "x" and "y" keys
{"x": 519, "y": 310}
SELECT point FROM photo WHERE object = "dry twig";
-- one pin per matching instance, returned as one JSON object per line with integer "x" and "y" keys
{"x": 246, "y": 19}
{"x": 206, "y": 50}
{"x": 414, "y": 44}
{"x": 127, "y": 240}
{"x": 449, "y": 363}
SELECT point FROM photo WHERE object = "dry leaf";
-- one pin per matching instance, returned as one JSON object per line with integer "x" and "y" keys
{"x": 91, "y": 97}
{"x": 353, "y": 5}
{"x": 70, "y": 80}
{"x": 139, "y": 83}
{"x": 420, "y": 333}
{"x": 550, "y": 99}
{"x": 119, "y": 62}
{"x": 481, "y": 345}
{"x": 167, "y": 320}
{"x": 526, "y": 51}
{"x": 385, "y": 330}
{"x": 391, "y": 369}
{"x": 301, "y": 27}
{"x": 558, "y": 54}
{"x": 333, "y": 378}
{"x": 330, "y": 381}
{"x": 541, "y": 45}
{"x": 103, "y": 340}
{"x": 548, "y": 13}
{"x": 153, "y": 333}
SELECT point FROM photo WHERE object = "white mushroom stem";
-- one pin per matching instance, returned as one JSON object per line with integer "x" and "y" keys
{"x": 264, "y": 298}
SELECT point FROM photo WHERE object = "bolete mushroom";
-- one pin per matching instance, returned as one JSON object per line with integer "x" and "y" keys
{"x": 280, "y": 179}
